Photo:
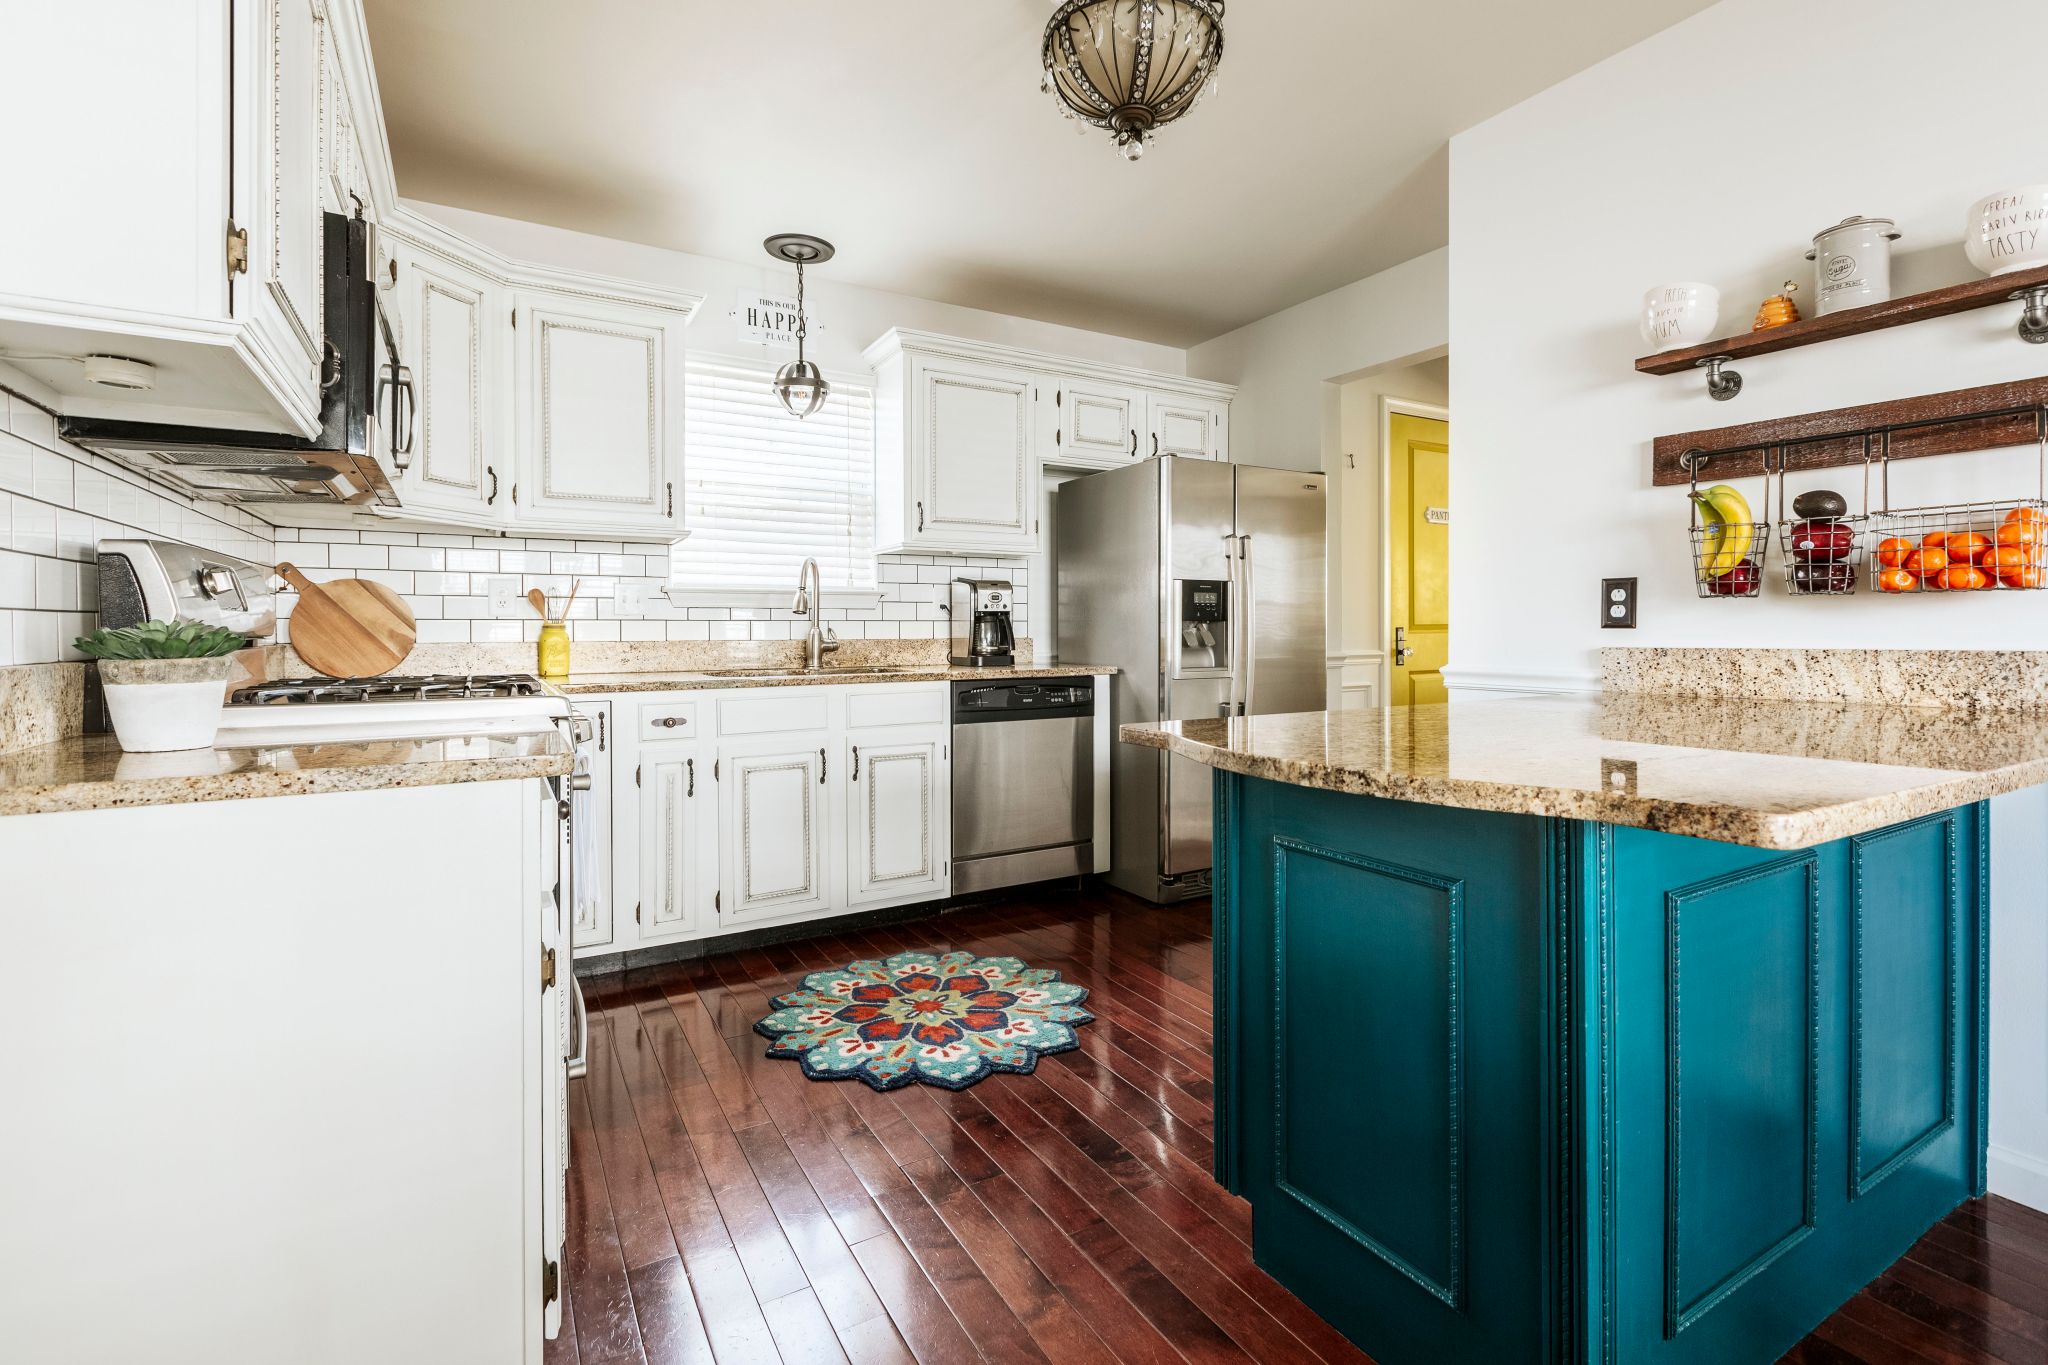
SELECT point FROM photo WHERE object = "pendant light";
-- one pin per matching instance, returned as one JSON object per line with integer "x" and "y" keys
{"x": 1130, "y": 67}
{"x": 800, "y": 385}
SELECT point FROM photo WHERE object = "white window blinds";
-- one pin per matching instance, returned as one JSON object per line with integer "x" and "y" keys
{"x": 766, "y": 491}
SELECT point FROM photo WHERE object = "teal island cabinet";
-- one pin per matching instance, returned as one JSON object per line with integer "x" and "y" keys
{"x": 1628, "y": 1029}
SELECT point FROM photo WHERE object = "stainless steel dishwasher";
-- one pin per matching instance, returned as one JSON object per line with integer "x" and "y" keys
{"x": 1023, "y": 781}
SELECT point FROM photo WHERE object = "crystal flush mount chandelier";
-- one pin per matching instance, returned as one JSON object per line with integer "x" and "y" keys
{"x": 800, "y": 385}
{"x": 1130, "y": 67}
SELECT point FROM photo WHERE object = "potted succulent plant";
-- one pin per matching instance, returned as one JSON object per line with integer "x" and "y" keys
{"x": 164, "y": 681}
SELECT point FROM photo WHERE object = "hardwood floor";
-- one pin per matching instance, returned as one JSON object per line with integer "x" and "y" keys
{"x": 723, "y": 1208}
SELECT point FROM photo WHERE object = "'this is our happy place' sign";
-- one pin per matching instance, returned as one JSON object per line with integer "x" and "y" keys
{"x": 765, "y": 320}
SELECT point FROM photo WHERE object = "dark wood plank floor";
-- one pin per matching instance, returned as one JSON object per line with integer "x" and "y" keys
{"x": 722, "y": 1208}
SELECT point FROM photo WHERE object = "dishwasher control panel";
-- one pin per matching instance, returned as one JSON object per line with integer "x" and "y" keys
{"x": 1017, "y": 700}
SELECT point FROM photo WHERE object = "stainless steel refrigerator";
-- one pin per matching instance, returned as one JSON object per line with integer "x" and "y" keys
{"x": 1203, "y": 583}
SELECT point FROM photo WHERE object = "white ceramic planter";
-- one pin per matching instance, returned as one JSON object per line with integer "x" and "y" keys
{"x": 1680, "y": 315}
{"x": 2008, "y": 231}
{"x": 162, "y": 704}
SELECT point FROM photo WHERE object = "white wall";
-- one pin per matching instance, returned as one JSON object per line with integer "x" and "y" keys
{"x": 845, "y": 319}
{"x": 1287, "y": 410}
{"x": 1713, "y": 152}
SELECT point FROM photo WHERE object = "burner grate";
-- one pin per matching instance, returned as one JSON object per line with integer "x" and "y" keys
{"x": 433, "y": 687}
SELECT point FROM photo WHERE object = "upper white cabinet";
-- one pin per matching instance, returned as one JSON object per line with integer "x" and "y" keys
{"x": 963, "y": 428}
{"x": 455, "y": 342}
{"x": 1192, "y": 428}
{"x": 599, "y": 385}
{"x": 1095, "y": 423}
{"x": 176, "y": 161}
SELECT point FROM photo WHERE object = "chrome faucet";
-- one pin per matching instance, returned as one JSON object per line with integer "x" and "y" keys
{"x": 819, "y": 640}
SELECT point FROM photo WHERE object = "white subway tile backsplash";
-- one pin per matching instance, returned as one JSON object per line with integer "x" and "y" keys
{"x": 18, "y": 579}
{"x": 456, "y": 583}
{"x": 412, "y": 557}
{"x": 472, "y": 561}
{"x": 359, "y": 557}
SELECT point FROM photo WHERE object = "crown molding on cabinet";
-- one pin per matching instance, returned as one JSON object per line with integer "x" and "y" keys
{"x": 420, "y": 231}
{"x": 1020, "y": 357}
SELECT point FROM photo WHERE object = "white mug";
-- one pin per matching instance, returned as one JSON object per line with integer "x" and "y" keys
{"x": 1679, "y": 315}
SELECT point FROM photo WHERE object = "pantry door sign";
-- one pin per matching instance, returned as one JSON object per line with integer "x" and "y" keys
{"x": 767, "y": 320}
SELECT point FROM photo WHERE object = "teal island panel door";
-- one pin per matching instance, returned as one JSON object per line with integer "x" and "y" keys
{"x": 1506, "y": 1088}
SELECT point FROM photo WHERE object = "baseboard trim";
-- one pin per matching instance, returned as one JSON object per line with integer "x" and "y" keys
{"x": 2019, "y": 1177}
{"x": 1477, "y": 680}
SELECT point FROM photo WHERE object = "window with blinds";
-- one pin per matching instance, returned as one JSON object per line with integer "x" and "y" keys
{"x": 765, "y": 491}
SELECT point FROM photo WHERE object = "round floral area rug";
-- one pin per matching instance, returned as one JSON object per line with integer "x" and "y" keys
{"x": 947, "y": 1020}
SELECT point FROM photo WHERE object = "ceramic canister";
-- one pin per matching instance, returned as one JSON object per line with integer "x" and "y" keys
{"x": 1852, "y": 264}
{"x": 2008, "y": 231}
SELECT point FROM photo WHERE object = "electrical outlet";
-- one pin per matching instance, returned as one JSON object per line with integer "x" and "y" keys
{"x": 505, "y": 598}
{"x": 1617, "y": 604}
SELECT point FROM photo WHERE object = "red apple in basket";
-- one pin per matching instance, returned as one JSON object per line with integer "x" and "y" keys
{"x": 1739, "y": 581}
{"x": 1821, "y": 542}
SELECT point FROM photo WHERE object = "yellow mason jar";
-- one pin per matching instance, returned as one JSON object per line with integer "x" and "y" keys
{"x": 554, "y": 649}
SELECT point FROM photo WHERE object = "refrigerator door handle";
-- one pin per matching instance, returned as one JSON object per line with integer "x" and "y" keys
{"x": 1233, "y": 701}
{"x": 1248, "y": 652}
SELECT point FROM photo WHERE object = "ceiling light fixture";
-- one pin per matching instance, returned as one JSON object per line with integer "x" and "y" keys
{"x": 800, "y": 385}
{"x": 1130, "y": 67}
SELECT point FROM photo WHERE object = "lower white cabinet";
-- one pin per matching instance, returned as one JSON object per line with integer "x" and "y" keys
{"x": 787, "y": 804}
{"x": 896, "y": 832}
{"x": 678, "y": 860}
{"x": 590, "y": 918}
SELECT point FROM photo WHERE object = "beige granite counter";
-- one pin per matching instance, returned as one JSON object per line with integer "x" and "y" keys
{"x": 584, "y": 683}
{"x": 92, "y": 772}
{"x": 1772, "y": 774}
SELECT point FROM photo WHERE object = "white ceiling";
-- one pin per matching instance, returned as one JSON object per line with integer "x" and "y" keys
{"x": 912, "y": 134}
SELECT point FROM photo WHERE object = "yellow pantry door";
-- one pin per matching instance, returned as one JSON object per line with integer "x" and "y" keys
{"x": 1419, "y": 558}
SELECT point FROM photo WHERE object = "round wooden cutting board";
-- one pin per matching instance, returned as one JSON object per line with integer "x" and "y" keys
{"x": 349, "y": 628}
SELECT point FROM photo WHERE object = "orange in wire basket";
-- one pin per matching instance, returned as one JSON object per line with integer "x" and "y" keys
{"x": 2018, "y": 566}
{"x": 1892, "y": 551}
{"x": 2022, "y": 532}
{"x": 1967, "y": 547}
{"x": 1897, "y": 580}
{"x": 1927, "y": 561}
{"x": 2032, "y": 514}
{"x": 1962, "y": 578}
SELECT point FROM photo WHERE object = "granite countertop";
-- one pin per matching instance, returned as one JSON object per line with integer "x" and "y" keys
{"x": 1771, "y": 774}
{"x": 685, "y": 681}
{"x": 93, "y": 772}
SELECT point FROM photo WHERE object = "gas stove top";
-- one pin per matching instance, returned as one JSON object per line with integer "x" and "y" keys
{"x": 431, "y": 687}
{"x": 442, "y": 705}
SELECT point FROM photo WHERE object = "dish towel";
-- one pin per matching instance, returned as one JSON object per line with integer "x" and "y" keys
{"x": 583, "y": 849}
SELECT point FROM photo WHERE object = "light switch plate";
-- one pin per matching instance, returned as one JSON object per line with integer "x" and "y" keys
{"x": 505, "y": 598}
{"x": 1617, "y": 604}
{"x": 629, "y": 598}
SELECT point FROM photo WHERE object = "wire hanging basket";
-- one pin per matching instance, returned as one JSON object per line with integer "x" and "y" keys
{"x": 1995, "y": 545}
{"x": 1823, "y": 556}
{"x": 1729, "y": 544}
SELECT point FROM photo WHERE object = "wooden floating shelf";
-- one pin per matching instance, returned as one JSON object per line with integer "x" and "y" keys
{"x": 1935, "y": 303}
{"x": 1987, "y": 418}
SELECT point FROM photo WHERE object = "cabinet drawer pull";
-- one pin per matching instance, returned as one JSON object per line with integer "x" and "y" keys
{"x": 671, "y": 722}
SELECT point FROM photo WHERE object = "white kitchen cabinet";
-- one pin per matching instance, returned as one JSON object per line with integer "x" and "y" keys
{"x": 899, "y": 817}
{"x": 202, "y": 124}
{"x": 778, "y": 805}
{"x": 776, "y": 818}
{"x": 599, "y": 388}
{"x": 1192, "y": 428}
{"x": 456, "y": 344}
{"x": 1096, "y": 424}
{"x": 678, "y": 807}
{"x": 591, "y": 916}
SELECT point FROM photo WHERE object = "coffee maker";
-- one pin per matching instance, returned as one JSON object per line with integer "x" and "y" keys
{"x": 982, "y": 637}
